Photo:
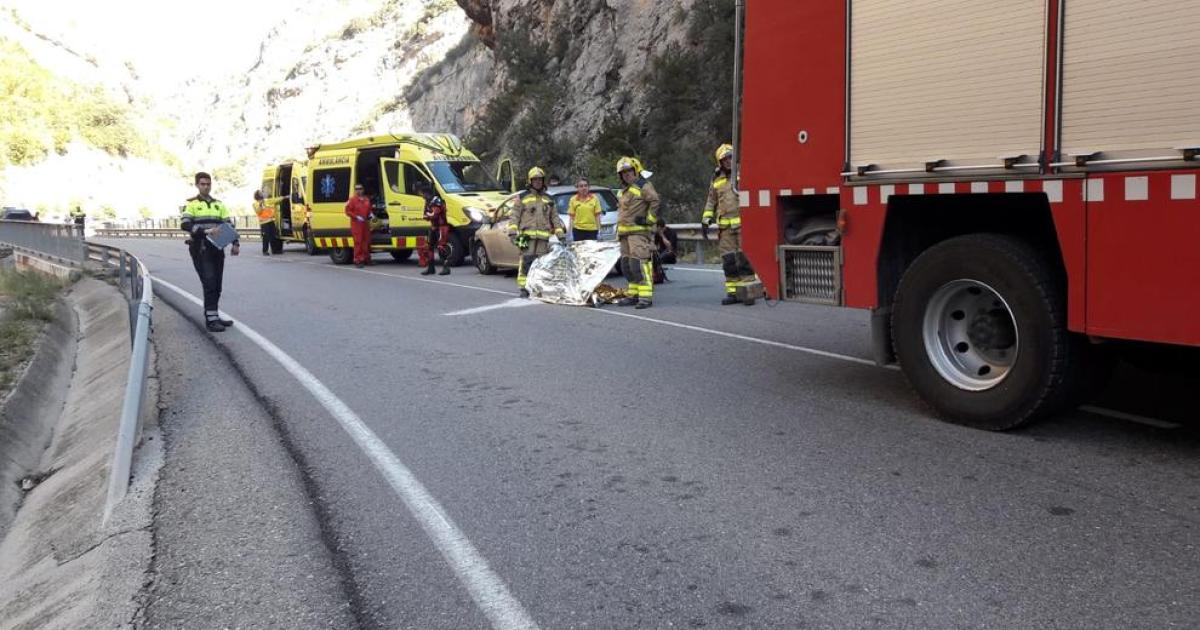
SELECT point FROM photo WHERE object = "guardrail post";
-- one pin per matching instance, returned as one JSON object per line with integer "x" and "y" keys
{"x": 700, "y": 252}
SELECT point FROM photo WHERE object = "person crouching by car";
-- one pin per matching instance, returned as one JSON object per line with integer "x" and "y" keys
{"x": 439, "y": 232}
{"x": 359, "y": 211}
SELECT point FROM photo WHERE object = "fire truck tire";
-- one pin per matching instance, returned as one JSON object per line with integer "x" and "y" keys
{"x": 401, "y": 255}
{"x": 980, "y": 330}
{"x": 341, "y": 255}
{"x": 457, "y": 250}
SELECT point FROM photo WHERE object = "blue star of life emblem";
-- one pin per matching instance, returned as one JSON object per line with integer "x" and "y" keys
{"x": 327, "y": 186}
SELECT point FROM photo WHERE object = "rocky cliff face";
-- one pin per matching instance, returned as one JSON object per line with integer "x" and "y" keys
{"x": 573, "y": 84}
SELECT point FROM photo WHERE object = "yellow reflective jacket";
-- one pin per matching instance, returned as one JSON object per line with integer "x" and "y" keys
{"x": 535, "y": 216}
{"x": 722, "y": 205}
{"x": 202, "y": 214}
{"x": 637, "y": 208}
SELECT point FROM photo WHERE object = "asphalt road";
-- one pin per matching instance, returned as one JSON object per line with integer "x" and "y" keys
{"x": 649, "y": 470}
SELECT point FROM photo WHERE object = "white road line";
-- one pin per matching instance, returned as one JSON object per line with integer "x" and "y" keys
{"x": 1102, "y": 411}
{"x": 765, "y": 342}
{"x": 485, "y": 587}
{"x": 698, "y": 269}
{"x": 1130, "y": 417}
{"x": 513, "y": 303}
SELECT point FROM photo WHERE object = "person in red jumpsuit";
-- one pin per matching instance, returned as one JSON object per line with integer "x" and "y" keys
{"x": 359, "y": 211}
{"x": 439, "y": 232}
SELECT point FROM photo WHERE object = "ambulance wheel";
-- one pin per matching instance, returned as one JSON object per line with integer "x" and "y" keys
{"x": 401, "y": 255}
{"x": 457, "y": 250}
{"x": 980, "y": 330}
{"x": 341, "y": 255}
{"x": 310, "y": 244}
{"x": 482, "y": 262}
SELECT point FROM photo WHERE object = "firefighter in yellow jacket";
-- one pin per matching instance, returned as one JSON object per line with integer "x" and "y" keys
{"x": 534, "y": 221}
{"x": 637, "y": 212}
{"x": 722, "y": 209}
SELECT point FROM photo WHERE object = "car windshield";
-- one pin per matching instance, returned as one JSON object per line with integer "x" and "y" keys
{"x": 608, "y": 202}
{"x": 458, "y": 177}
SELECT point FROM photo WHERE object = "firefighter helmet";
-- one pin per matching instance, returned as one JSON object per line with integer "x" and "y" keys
{"x": 630, "y": 163}
{"x": 535, "y": 173}
{"x": 724, "y": 151}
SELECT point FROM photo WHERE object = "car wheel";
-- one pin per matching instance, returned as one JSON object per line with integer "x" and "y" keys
{"x": 979, "y": 324}
{"x": 482, "y": 262}
{"x": 401, "y": 255}
{"x": 341, "y": 255}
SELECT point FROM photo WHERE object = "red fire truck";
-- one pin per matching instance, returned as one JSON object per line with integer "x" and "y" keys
{"x": 1010, "y": 187}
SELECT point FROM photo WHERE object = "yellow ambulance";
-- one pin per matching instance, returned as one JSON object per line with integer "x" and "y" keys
{"x": 283, "y": 188}
{"x": 389, "y": 167}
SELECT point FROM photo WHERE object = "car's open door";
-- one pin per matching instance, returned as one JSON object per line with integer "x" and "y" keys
{"x": 405, "y": 208}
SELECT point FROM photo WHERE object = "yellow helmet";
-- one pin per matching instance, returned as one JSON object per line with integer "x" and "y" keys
{"x": 535, "y": 173}
{"x": 627, "y": 163}
{"x": 724, "y": 151}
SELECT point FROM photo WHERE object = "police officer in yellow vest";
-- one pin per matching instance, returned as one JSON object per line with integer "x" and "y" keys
{"x": 202, "y": 216}
{"x": 534, "y": 220}
{"x": 723, "y": 209}
{"x": 637, "y": 212}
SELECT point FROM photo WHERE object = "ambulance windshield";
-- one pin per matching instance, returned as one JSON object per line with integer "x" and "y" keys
{"x": 460, "y": 177}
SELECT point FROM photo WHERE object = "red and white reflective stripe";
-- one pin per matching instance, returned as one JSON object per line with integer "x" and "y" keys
{"x": 1183, "y": 186}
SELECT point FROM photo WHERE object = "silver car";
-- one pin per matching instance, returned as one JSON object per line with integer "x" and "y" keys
{"x": 491, "y": 248}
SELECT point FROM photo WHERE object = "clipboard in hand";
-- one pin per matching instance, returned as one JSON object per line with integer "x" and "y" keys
{"x": 226, "y": 234}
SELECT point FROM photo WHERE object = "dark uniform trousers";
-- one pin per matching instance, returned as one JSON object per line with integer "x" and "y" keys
{"x": 209, "y": 262}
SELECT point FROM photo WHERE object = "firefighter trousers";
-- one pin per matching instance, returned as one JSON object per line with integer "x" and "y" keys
{"x": 733, "y": 260}
{"x": 535, "y": 249}
{"x": 637, "y": 252}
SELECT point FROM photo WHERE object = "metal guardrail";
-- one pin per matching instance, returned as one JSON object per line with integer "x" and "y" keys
{"x": 62, "y": 244}
{"x": 50, "y": 240}
{"x": 690, "y": 235}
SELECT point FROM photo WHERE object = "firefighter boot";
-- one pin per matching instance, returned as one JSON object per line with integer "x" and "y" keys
{"x": 644, "y": 303}
{"x": 428, "y": 268}
{"x": 729, "y": 298}
{"x": 445, "y": 267}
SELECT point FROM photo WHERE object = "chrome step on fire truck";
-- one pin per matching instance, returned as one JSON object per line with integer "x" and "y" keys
{"x": 1013, "y": 184}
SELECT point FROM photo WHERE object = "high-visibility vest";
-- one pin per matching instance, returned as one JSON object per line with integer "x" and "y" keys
{"x": 266, "y": 214}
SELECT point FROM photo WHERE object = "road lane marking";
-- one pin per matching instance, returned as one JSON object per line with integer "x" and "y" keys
{"x": 765, "y": 342}
{"x": 699, "y": 269}
{"x": 513, "y": 303}
{"x": 472, "y": 570}
{"x": 1102, "y": 411}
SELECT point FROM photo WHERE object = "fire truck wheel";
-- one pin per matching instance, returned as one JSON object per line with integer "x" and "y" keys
{"x": 341, "y": 255}
{"x": 979, "y": 324}
{"x": 401, "y": 255}
{"x": 457, "y": 250}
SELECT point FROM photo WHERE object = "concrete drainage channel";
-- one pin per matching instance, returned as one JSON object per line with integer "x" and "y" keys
{"x": 75, "y": 534}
